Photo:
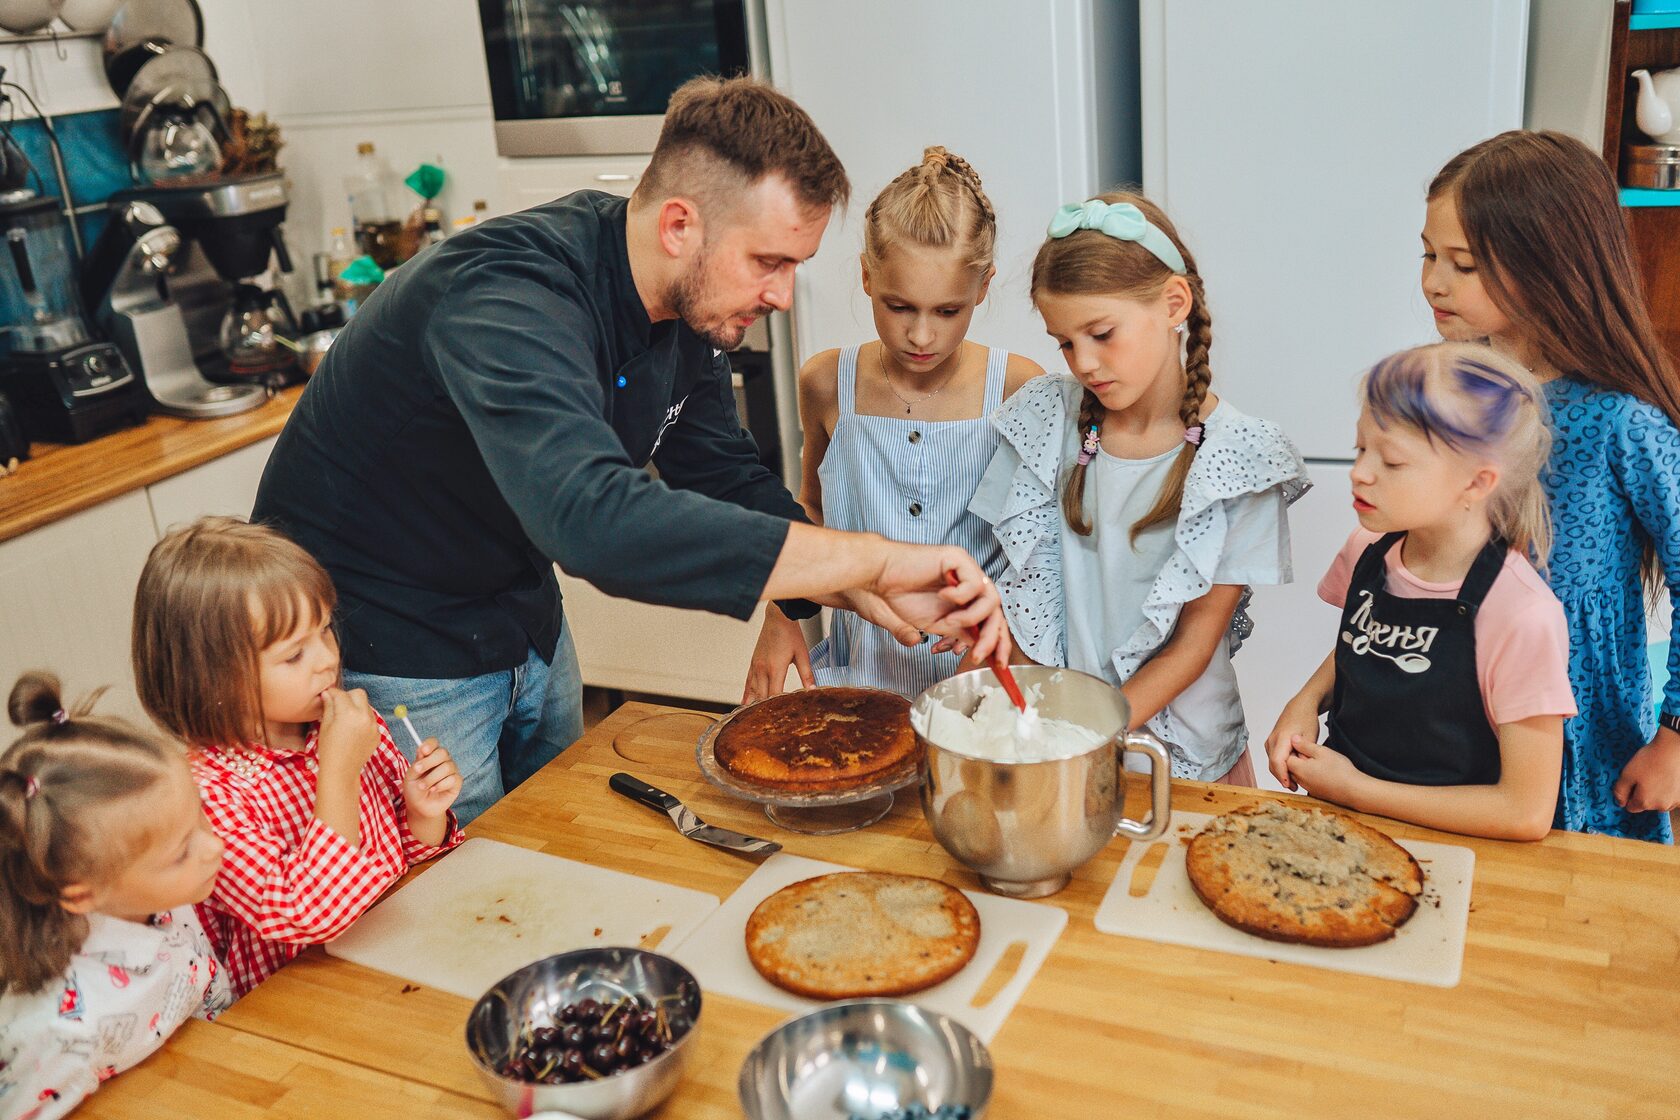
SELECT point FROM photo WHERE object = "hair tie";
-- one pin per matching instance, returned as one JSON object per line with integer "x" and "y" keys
{"x": 1193, "y": 435}
{"x": 1122, "y": 221}
{"x": 60, "y": 716}
{"x": 31, "y": 786}
{"x": 1088, "y": 449}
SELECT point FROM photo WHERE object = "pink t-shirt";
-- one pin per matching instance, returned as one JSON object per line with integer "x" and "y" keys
{"x": 1522, "y": 639}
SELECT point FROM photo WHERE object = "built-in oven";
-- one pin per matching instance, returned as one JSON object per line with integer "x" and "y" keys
{"x": 593, "y": 78}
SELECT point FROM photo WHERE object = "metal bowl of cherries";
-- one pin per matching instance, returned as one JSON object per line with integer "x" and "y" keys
{"x": 602, "y": 1034}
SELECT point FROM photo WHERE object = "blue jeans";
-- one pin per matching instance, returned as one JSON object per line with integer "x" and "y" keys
{"x": 500, "y": 728}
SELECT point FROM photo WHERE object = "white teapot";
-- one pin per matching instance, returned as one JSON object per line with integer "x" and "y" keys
{"x": 1657, "y": 112}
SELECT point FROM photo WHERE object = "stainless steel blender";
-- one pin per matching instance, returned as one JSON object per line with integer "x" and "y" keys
{"x": 67, "y": 386}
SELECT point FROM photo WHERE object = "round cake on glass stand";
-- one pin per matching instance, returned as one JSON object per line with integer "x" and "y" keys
{"x": 820, "y": 761}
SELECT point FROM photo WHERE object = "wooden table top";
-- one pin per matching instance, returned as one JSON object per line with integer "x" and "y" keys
{"x": 61, "y": 479}
{"x": 211, "y": 1070}
{"x": 1569, "y": 1005}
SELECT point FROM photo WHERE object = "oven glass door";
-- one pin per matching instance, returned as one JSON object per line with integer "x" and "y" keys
{"x": 610, "y": 58}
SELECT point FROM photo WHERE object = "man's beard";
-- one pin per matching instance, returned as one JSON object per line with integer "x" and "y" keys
{"x": 689, "y": 297}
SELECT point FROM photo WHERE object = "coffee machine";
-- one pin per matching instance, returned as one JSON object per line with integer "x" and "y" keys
{"x": 66, "y": 385}
{"x": 181, "y": 276}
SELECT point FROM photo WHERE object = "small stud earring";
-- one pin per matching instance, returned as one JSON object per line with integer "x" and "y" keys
{"x": 1179, "y": 329}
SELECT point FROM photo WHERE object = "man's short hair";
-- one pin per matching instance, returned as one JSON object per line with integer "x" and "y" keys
{"x": 723, "y": 135}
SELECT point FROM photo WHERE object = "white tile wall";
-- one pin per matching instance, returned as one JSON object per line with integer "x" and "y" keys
{"x": 407, "y": 75}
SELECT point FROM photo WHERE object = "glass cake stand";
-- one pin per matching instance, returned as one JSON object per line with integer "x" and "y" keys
{"x": 814, "y": 814}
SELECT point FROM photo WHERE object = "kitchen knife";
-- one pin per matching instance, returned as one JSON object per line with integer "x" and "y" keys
{"x": 687, "y": 823}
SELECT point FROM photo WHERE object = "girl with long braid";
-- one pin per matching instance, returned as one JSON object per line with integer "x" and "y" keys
{"x": 896, "y": 437}
{"x": 1134, "y": 507}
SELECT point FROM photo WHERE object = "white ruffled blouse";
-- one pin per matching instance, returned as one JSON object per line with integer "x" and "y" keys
{"x": 1240, "y": 457}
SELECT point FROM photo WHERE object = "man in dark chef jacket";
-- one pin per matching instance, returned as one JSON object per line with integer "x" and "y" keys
{"x": 491, "y": 408}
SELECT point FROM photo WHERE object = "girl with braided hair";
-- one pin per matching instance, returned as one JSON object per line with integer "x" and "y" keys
{"x": 103, "y": 852}
{"x": 1134, "y": 507}
{"x": 896, "y": 436}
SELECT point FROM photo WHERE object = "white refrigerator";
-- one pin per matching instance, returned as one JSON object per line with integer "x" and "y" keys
{"x": 1292, "y": 143}
{"x": 1041, "y": 96}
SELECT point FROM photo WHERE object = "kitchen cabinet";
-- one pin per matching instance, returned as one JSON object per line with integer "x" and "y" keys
{"x": 67, "y": 588}
{"x": 660, "y": 650}
{"x": 67, "y": 598}
{"x": 225, "y": 487}
{"x": 533, "y": 181}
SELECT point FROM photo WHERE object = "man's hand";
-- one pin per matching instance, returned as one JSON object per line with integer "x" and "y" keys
{"x": 909, "y": 595}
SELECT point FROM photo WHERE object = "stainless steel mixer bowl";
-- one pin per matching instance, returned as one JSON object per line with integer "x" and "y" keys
{"x": 865, "y": 1058}
{"x": 1024, "y": 827}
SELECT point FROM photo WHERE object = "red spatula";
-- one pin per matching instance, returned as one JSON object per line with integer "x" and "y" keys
{"x": 999, "y": 665}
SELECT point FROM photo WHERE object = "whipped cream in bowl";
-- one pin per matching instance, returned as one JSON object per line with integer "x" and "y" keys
{"x": 997, "y": 731}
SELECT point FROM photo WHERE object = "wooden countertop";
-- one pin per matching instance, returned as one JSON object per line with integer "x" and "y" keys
{"x": 211, "y": 1070}
{"x": 1569, "y": 1005}
{"x": 61, "y": 479}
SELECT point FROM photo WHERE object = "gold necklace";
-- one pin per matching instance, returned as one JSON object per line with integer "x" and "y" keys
{"x": 908, "y": 404}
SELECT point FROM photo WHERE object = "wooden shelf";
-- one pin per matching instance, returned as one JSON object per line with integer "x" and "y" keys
{"x": 1645, "y": 196}
{"x": 1649, "y": 41}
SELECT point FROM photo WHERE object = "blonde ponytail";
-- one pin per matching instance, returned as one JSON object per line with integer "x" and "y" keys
{"x": 940, "y": 204}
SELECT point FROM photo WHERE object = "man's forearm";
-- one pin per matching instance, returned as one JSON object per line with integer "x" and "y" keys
{"x": 822, "y": 564}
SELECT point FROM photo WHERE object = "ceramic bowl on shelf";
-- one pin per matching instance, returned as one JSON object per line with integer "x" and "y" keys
{"x": 21, "y": 17}
{"x": 866, "y": 1058}
{"x": 531, "y": 998}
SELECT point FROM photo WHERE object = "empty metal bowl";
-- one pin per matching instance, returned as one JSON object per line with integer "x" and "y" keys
{"x": 865, "y": 1058}
{"x": 532, "y": 997}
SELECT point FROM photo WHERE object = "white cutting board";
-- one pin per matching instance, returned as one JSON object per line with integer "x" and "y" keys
{"x": 487, "y": 909}
{"x": 1428, "y": 949}
{"x": 717, "y": 952}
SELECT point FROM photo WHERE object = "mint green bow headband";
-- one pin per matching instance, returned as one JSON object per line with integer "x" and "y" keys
{"x": 1120, "y": 220}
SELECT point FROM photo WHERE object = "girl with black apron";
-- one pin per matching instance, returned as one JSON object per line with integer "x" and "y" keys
{"x": 1417, "y": 657}
{"x": 1421, "y": 725}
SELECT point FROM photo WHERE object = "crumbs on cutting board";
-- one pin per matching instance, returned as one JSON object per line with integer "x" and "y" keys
{"x": 597, "y": 931}
{"x": 407, "y": 988}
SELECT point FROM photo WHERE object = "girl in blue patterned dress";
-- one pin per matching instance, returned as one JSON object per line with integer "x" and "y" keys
{"x": 1524, "y": 245}
{"x": 896, "y": 435}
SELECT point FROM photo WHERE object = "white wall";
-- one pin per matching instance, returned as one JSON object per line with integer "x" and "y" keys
{"x": 407, "y": 75}
{"x": 74, "y": 83}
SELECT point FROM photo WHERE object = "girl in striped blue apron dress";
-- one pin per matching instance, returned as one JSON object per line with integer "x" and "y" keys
{"x": 896, "y": 430}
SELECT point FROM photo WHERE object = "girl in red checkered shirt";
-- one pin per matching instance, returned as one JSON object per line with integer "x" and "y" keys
{"x": 234, "y": 652}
